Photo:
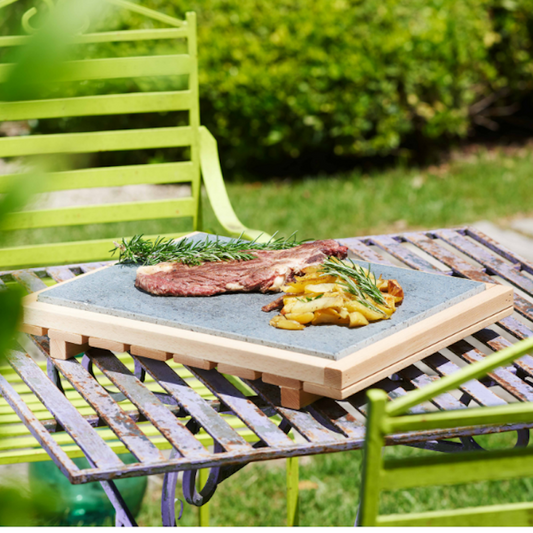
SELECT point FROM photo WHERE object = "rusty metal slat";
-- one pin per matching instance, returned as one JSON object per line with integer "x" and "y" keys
{"x": 364, "y": 251}
{"x": 242, "y": 407}
{"x": 511, "y": 383}
{"x": 37, "y": 429}
{"x": 60, "y": 273}
{"x": 486, "y": 258}
{"x": 303, "y": 422}
{"x": 151, "y": 407}
{"x": 115, "y": 417}
{"x": 30, "y": 281}
{"x": 419, "y": 379}
{"x": 497, "y": 342}
{"x": 445, "y": 256}
{"x": 332, "y": 412}
{"x": 401, "y": 253}
{"x": 63, "y": 411}
{"x": 460, "y": 266}
{"x": 89, "y": 267}
{"x": 475, "y": 389}
{"x": 500, "y": 249}
{"x": 195, "y": 405}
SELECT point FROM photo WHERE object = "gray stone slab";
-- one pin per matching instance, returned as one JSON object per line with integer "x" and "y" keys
{"x": 239, "y": 316}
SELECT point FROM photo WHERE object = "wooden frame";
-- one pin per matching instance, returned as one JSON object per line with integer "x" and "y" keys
{"x": 303, "y": 378}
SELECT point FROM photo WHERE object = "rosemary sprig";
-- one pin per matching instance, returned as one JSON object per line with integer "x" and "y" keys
{"x": 189, "y": 252}
{"x": 356, "y": 280}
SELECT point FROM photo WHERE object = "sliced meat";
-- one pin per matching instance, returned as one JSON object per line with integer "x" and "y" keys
{"x": 267, "y": 272}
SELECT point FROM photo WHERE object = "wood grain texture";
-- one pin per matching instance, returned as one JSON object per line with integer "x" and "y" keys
{"x": 113, "y": 346}
{"x": 194, "y": 362}
{"x": 60, "y": 349}
{"x": 240, "y": 372}
{"x": 159, "y": 355}
{"x": 33, "y": 330}
{"x": 297, "y": 398}
{"x": 273, "y": 379}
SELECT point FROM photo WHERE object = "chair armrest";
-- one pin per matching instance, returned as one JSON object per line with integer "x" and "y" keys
{"x": 216, "y": 190}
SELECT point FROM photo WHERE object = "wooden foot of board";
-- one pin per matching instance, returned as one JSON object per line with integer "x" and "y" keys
{"x": 282, "y": 382}
{"x": 238, "y": 371}
{"x": 65, "y": 345}
{"x": 150, "y": 353}
{"x": 192, "y": 361}
{"x": 297, "y": 398}
{"x": 112, "y": 346}
{"x": 33, "y": 330}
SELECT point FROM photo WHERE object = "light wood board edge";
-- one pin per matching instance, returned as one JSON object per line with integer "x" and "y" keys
{"x": 367, "y": 361}
{"x": 341, "y": 394}
{"x": 240, "y": 372}
{"x": 177, "y": 341}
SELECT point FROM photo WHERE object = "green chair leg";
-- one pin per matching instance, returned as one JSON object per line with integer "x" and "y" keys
{"x": 203, "y": 512}
{"x": 293, "y": 494}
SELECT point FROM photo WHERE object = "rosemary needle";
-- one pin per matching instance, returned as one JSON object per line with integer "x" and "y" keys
{"x": 356, "y": 280}
{"x": 189, "y": 252}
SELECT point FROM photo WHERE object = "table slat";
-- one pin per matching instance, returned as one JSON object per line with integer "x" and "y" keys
{"x": 303, "y": 422}
{"x": 249, "y": 413}
{"x": 65, "y": 413}
{"x": 394, "y": 248}
{"x": 195, "y": 405}
{"x": 364, "y": 251}
{"x": 115, "y": 417}
{"x": 61, "y": 273}
{"x": 151, "y": 407}
{"x": 475, "y": 389}
{"x": 29, "y": 280}
{"x": 339, "y": 417}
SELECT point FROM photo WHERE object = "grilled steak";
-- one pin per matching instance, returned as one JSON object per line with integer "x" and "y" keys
{"x": 267, "y": 272}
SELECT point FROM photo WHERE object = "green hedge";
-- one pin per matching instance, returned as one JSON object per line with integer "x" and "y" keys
{"x": 283, "y": 78}
{"x": 351, "y": 77}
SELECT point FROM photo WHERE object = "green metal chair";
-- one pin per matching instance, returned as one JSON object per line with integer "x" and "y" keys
{"x": 201, "y": 167}
{"x": 203, "y": 160}
{"x": 386, "y": 418}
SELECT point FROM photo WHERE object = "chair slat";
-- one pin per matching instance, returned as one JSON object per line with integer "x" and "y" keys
{"x": 67, "y": 415}
{"x": 151, "y": 407}
{"x": 115, "y": 67}
{"x": 180, "y": 172}
{"x": 62, "y": 252}
{"x": 98, "y": 214}
{"x": 510, "y": 514}
{"x": 98, "y": 141}
{"x": 84, "y": 106}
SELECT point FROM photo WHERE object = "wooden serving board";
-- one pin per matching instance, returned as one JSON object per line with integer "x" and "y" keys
{"x": 230, "y": 332}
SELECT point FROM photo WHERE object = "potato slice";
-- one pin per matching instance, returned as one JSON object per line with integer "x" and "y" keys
{"x": 281, "y": 322}
{"x": 329, "y": 316}
{"x": 320, "y": 288}
{"x": 303, "y": 318}
{"x": 395, "y": 289}
{"x": 369, "y": 314}
{"x": 314, "y": 305}
{"x": 357, "y": 319}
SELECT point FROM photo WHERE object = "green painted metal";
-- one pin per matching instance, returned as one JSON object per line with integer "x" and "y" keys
{"x": 203, "y": 512}
{"x": 293, "y": 492}
{"x": 203, "y": 159}
{"x": 384, "y": 418}
{"x": 114, "y": 68}
{"x": 112, "y": 104}
{"x": 181, "y": 172}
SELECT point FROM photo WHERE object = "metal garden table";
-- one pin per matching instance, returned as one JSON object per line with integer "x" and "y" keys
{"x": 179, "y": 412}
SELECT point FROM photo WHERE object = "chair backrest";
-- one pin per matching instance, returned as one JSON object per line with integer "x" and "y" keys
{"x": 108, "y": 68}
{"x": 385, "y": 418}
